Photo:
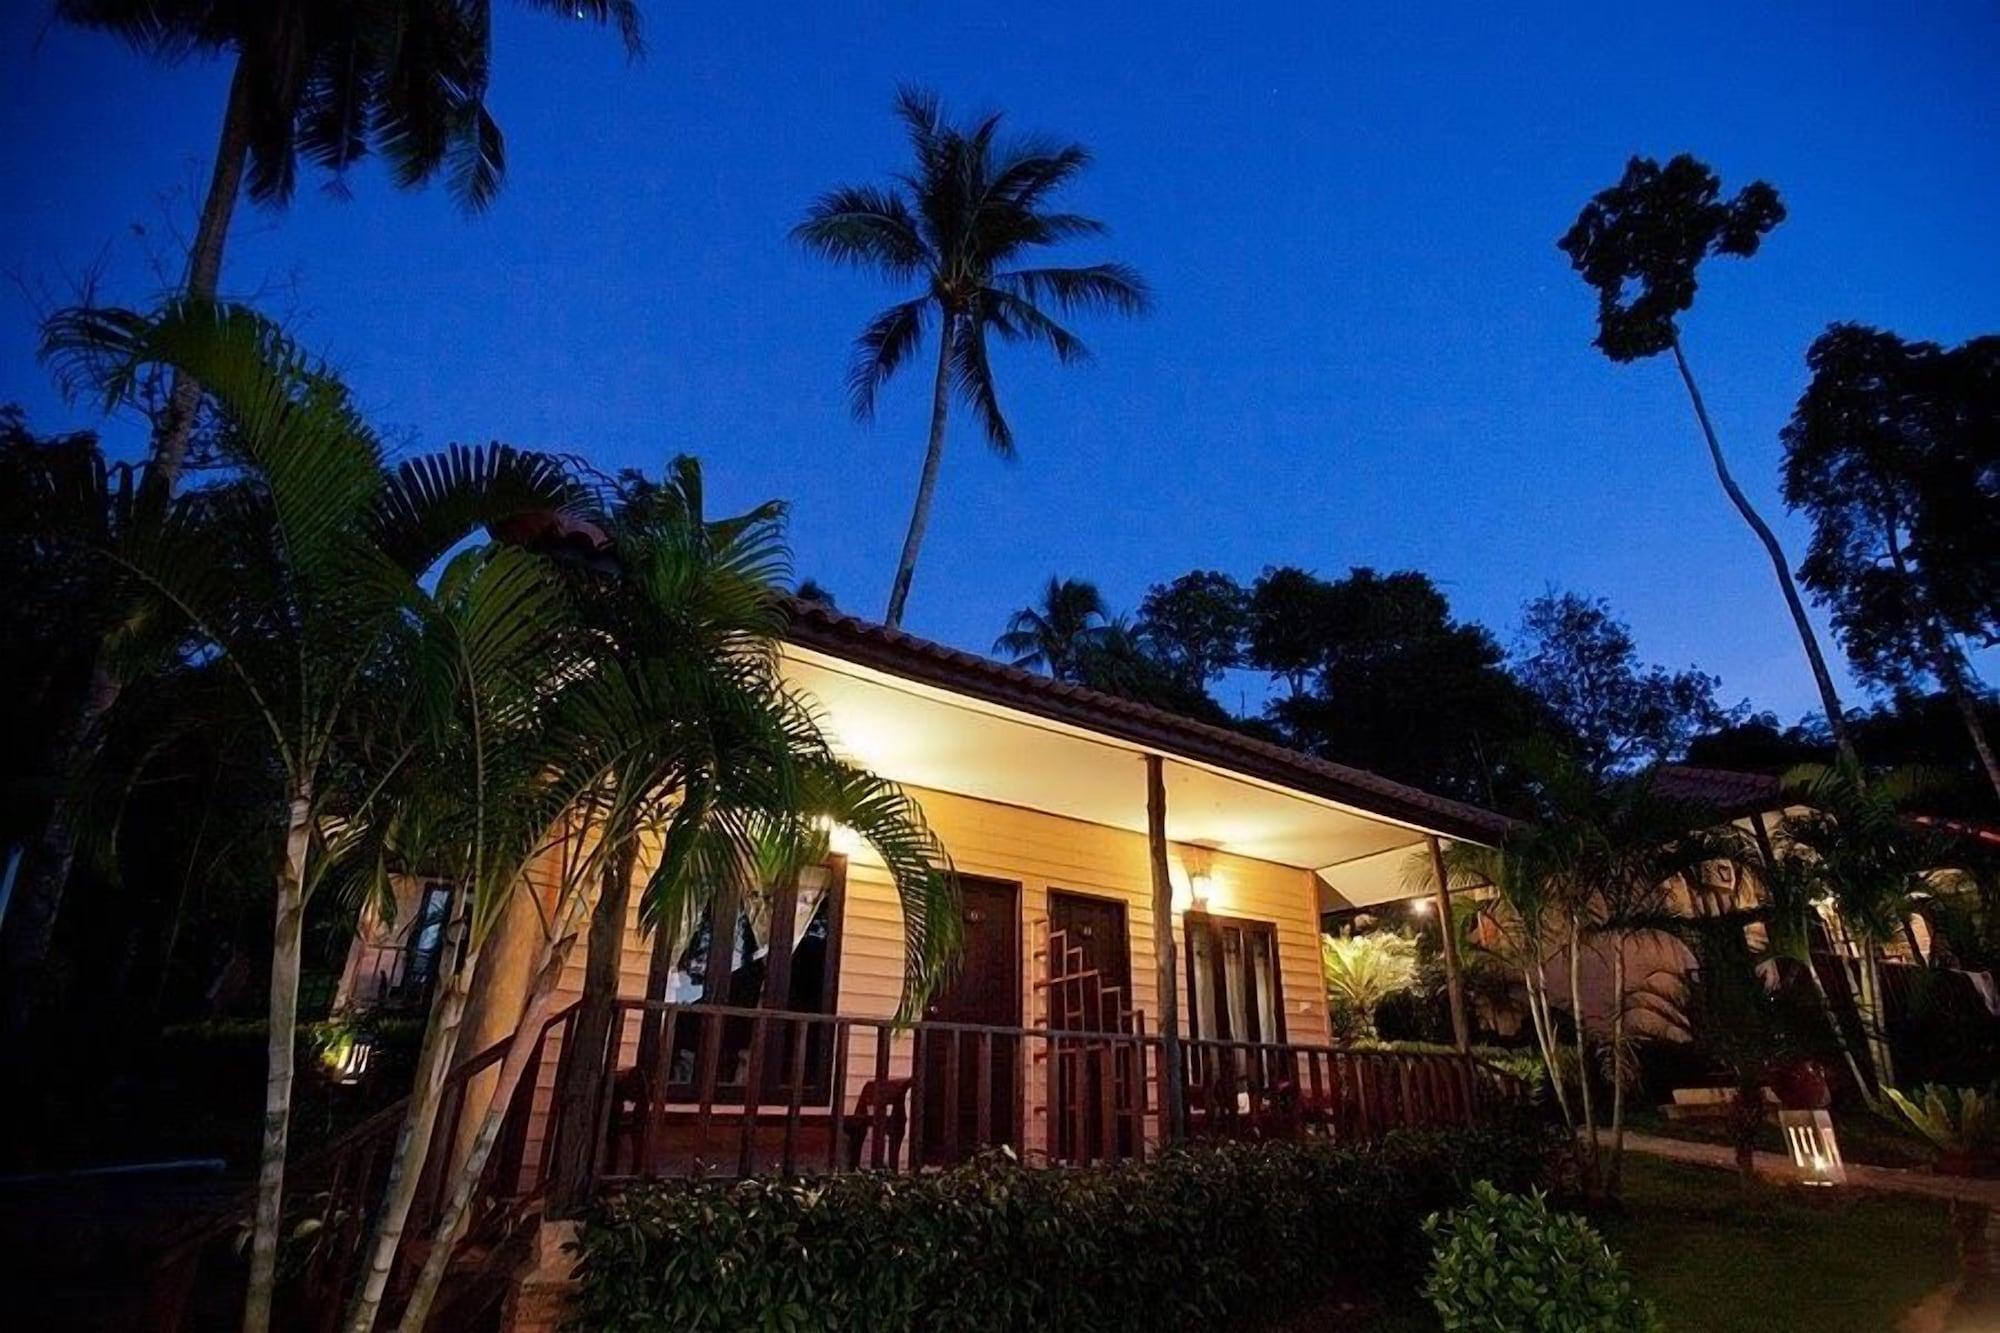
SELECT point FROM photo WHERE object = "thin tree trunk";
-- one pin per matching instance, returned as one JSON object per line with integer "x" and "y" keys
{"x": 30, "y": 929}
{"x": 1840, "y": 1041}
{"x": 920, "y": 516}
{"x": 286, "y": 939}
{"x": 1873, "y": 1019}
{"x": 204, "y": 273}
{"x": 583, "y": 1079}
{"x": 1946, "y": 663}
{"x": 1584, "y": 1098}
{"x": 1975, "y": 727}
{"x": 512, "y": 1067}
{"x": 1537, "y": 983}
{"x": 413, "y": 1141}
{"x": 1617, "y": 1173}
{"x": 1829, "y": 697}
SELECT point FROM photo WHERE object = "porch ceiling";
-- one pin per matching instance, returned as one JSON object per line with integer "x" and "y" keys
{"x": 925, "y": 736}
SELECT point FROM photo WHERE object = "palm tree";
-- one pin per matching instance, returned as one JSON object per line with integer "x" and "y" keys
{"x": 331, "y": 83}
{"x": 296, "y": 580}
{"x": 969, "y": 209}
{"x": 1055, "y": 636}
{"x": 1855, "y": 844}
{"x": 1638, "y": 243}
{"x": 680, "y": 725}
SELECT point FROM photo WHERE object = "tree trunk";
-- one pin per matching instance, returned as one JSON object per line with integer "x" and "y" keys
{"x": 1616, "y": 1177}
{"x": 1946, "y": 663}
{"x": 413, "y": 1142}
{"x": 1873, "y": 1017}
{"x": 30, "y": 930}
{"x": 1584, "y": 1098}
{"x": 286, "y": 937}
{"x": 920, "y": 516}
{"x": 512, "y": 1067}
{"x": 1968, "y": 709}
{"x": 1829, "y": 697}
{"x": 582, "y": 1083}
{"x": 1173, "y": 1096}
{"x": 1537, "y": 983}
{"x": 204, "y": 273}
{"x": 1840, "y": 1041}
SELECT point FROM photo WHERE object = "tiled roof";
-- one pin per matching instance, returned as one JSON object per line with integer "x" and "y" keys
{"x": 1725, "y": 791}
{"x": 821, "y": 628}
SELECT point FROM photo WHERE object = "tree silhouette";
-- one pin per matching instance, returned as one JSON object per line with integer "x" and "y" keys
{"x": 1195, "y": 625}
{"x": 1639, "y": 244}
{"x": 1054, "y": 636}
{"x": 971, "y": 207}
{"x": 1891, "y": 453}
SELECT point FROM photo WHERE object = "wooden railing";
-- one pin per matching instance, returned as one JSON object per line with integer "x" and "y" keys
{"x": 707, "y": 1090}
{"x": 198, "y": 1282}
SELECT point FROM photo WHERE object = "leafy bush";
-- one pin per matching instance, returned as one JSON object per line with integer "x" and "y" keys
{"x": 1962, "y": 1123}
{"x": 1190, "y": 1238}
{"x": 1506, "y": 1264}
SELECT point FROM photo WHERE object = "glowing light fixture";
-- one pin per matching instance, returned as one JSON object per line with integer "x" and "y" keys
{"x": 1815, "y": 1152}
{"x": 1200, "y": 865}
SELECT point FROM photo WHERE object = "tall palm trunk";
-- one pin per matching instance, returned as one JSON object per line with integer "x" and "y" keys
{"x": 520, "y": 1048}
{"x": 1829, "y": 697}
{"x": 31, "y": 923}
{"x": 583, "y": 1082}
{"x": 1616, "y": 1175}
{"x": 286, "y": 939}
{"x": 1585, "y": 1101}
{"x": 920, "y": 516}
{"x": 1537, "y": 982}
{"x": 413, "y": 1139}
{"x": 1947, "y": 665}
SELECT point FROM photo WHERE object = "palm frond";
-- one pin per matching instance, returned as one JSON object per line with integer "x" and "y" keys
{"x": 1114, "y": 287}
{"x": 972, "y": 376}
{"x": 883, "y": 348}
{"x": 868, "y": 226}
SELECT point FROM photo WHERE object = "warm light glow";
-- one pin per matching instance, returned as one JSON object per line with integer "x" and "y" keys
{"x": 1198, "y": 863}
{"x": 840, "y": 838}
{"x": 1421, "y": 906}
{"x": 1200, "y": 887}
{"x": 1815, "y": 1152}
{"x": 347, "y": 1058}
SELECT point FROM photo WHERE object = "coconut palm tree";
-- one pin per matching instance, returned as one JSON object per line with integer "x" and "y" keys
{"x": 1055, "y": 636}
{"x": 331, "y": 83}
{"x": 1638, "y": 244}
{"x": 297, "y": 580}
{"x": 969, "y": 210}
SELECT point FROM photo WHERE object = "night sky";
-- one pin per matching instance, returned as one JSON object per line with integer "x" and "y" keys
{"x": 1367, "y": 349}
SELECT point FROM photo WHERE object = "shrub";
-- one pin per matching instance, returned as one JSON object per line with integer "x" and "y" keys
{"x": 1190, "y": 1238}
{"x": 1506, "y": 1264}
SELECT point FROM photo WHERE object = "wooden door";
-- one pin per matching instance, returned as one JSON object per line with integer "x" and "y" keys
{"x": 985, "y": 990}
{"x": 1096, "y": 928}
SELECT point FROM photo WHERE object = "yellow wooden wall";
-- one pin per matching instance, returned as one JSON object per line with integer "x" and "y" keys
{"x": 1039, "y": 852}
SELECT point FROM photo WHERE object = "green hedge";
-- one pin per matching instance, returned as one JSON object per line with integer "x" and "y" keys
{"x": 1185, "y": 1240}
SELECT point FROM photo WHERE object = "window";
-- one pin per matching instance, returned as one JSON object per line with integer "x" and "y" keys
{"x": 1234, "y": 993}
{"x": 783, "y": 954}
{"x": 426, "y": 939}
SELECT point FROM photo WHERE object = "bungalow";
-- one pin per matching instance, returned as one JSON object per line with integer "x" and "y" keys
{"x": 1116, "y": 863}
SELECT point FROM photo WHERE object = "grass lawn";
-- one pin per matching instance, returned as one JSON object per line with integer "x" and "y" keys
{"x": 1714, "y": 1261}
{"x": 1832, "y": 1262}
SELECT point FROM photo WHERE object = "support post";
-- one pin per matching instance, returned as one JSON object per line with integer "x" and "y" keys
{"x": 1172, "y": 1098}
{"x": 1461, "y": 1031}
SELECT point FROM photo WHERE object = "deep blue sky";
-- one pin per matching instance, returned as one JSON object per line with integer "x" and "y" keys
{"x": 1367, "y": 348}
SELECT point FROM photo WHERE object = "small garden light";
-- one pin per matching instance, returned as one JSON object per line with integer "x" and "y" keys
{"x": 1815, "y": 1151}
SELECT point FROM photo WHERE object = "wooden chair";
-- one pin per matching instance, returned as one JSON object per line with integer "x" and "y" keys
{"x": 893, "y": 1095}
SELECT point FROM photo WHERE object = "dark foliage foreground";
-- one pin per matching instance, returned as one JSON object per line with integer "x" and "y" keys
{"x": 1195, "y": 1238}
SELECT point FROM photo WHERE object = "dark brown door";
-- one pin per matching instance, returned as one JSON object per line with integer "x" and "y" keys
{"x": 986, "y": 990}
{"x": 1096, "y": 1002}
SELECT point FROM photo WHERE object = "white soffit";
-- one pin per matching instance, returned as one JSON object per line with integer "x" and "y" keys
{"x": 924, "y": 736}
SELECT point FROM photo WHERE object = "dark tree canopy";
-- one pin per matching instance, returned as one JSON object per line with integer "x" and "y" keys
{"x": 1640, "y": 241}
{"x": 1122, "y": 660}
{"x": 1579, "y": 660}
{"x": 1286, "y": 603}
{"x": 1399, "y": 687}
{"x": 1195, "y": 625}
{"x": 1894, "y": 454}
